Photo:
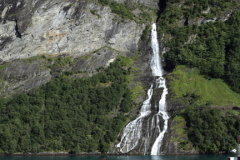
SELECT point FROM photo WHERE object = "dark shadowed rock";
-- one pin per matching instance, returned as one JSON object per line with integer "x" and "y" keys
{"x": 22, "y": 76}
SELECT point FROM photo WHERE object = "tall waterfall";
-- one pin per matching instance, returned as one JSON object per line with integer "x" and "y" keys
{"x": 157, "y": 71}
{"x": 135, "y": 135}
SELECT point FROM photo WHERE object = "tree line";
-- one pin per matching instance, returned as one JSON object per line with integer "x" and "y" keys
{"x": 211, "y": 130}
{"x": 215, "y": 51}
{"x": 74, "y": 115}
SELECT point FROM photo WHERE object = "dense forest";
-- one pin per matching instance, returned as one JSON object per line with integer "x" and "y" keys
{"x": 215, "y": 51}
{"x": 211, "y": 130}
{"x": 213, "y": 48}
{"x": 177, "y": 10}
{"x": 66, "y": 114}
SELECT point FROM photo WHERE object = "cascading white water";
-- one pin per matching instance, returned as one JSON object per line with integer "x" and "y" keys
{"x": 157, "y": 71}
{"x": 133, "y": 131}
{"x": 155, "y": 62}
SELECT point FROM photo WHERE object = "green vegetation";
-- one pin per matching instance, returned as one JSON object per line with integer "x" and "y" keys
{"x": 195, "y": 7}
{"x": 120, "y": 9}
{"x": 13, "y": 14}
{"x": 215, "y": 51}
{"x": 68, "y": 114}
{"x": 62, "y": 61}
{"x": 181, "y": 132}
{"x": 104, "y": 2}
{"x": 94, "y": 12}
{"x": 206, "y": 73}
{"x": 145, "y": 33}
{"x": 186, "y": 82}
{"x": 125, "y": 12}
{"x": 210, "y": 131}
{"x": 137, "y": 91}
{"x": 232, "y": 112}
{"x": 145, "y": 16}
{"x": 3, "y": 66}
{"x": 57, "y": 61}
{"x": 192, "y": 9}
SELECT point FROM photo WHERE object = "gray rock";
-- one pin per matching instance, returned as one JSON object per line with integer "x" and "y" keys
{"x": 22, "y": 76}
{"x": 56, "y": 28}
{"x": 90, "y": 63}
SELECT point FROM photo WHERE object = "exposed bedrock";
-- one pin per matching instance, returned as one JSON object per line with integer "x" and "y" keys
{"x": 77, "y": 28}
{"x": 29, "y": 28}
{"x": 20, "y": 76}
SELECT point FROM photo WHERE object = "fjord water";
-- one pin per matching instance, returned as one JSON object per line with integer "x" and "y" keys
{"x": 148, "y": 140}
{"x": 162, "y": 157}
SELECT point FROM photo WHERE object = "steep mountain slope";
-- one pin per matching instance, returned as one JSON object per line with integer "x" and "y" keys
{"x": 89, "y": 29}
{"x": 49, "y": 42}
{"x": 44, "y": 40}
{"x": 204, "y": 36}
{"x": 30, "y": 28}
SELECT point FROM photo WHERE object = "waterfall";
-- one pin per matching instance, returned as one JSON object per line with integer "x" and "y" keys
{"x": 134, "y": 130}
{"x": 157, "y": 71}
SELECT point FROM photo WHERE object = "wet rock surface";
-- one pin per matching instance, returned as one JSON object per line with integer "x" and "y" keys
{"x": 173, "y": 147}
{"x": 149, "y": 130}
{"x": 144, "y": 76}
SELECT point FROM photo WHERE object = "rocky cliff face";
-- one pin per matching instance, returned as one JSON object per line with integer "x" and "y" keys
{"x": 75, "y": 27}
{"x": 21, "y": 76}
{"x": 87, "y": 31}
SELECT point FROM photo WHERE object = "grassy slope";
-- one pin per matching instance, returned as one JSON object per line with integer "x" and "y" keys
{"x": 187, "y": 84}
{"x": 185, "y": 81}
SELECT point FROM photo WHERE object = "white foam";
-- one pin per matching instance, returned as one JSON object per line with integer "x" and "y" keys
{"x": 157, "y": 71}
{"x": 133, "y": 131}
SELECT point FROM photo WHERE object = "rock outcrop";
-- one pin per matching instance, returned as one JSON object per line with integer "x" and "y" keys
{"x": 87, "y": 31}
{"x": 75, "y": 27}
{"x": 22, "y": 76}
